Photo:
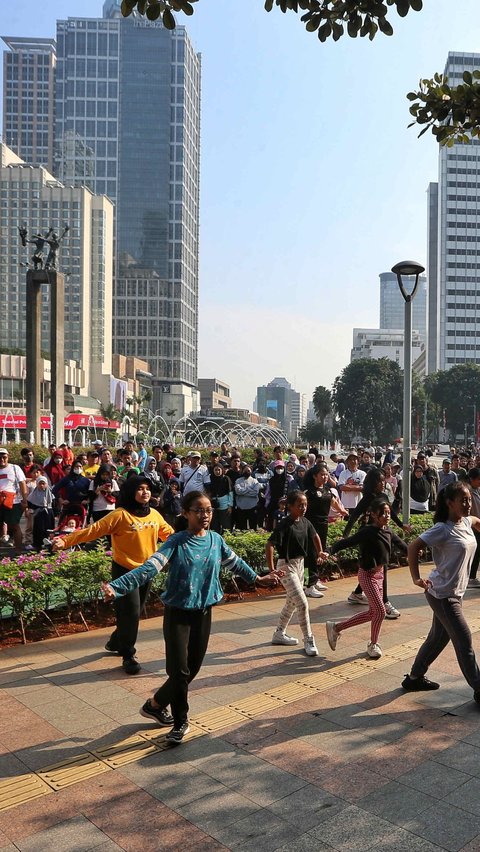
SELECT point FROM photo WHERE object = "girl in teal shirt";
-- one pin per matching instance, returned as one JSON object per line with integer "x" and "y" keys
{"x": 194, "y": 559}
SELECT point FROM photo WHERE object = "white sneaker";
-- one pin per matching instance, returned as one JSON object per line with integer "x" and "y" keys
{"x": 312, "y": 592}
{"x": 391, "y": 611}
{"x": 374, "y": 651}
{"x": 474, "y": 583}
{"x": 281, "y": 638}
{"x": 310, "y": 647}
{"x": 355, "y": 598}
{"x": 321, "y": 586}
{"x": 5, "y": 539}
{"x": 333, "y": 634}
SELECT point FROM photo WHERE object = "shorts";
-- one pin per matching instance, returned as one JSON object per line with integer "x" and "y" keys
{"x": 11, "y": 517}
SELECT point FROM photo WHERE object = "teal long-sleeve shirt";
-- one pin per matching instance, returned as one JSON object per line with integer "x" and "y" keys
{"x": 194, "y": 564}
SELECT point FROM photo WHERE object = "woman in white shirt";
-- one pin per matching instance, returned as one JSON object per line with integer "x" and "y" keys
{"x": 453, "y": 544}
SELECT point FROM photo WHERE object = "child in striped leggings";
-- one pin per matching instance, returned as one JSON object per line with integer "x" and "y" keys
{"x": 375, "y": 542}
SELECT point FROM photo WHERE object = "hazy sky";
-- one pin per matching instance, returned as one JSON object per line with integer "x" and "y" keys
{"x": 311, "y": 183}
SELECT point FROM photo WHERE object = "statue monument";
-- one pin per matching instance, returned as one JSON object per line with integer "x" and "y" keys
{"x": 41, "y": 271}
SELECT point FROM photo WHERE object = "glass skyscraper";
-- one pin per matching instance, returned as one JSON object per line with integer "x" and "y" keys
{"x": 128, "y": 125}
{"x": 28, "y": 98}
{"x": 392, "y": 305}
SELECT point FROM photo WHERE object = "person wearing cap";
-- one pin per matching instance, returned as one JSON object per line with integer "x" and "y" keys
{"x": 93, "y": 463}
{"x": 194, "y": 476}
{"x": 214, "y": 460}
{"x": 13, "y": 497}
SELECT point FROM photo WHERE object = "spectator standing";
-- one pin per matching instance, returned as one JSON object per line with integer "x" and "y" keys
{"x": 13, "y": 497}
{"x": 446, "y": 476}
{"x": 194, "y": 476}
{"x": 247, "y": 492}
{"x": 221, "y": 497}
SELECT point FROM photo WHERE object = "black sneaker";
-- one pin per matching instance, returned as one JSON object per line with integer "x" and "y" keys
{"x": 111, "y": 650}
{"x": 160, "y": 714}
{"x": 176, "y": 735}
{"x": 131, "y": 666}
{"x": 419, "y": 684}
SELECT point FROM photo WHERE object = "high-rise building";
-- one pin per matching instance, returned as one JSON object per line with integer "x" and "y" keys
{"x": 392, "y": 305}
{"x": 279, "y": 401}
{"x": 31, "y": 196}
{"x": 28, "y": 98}
{"x": 384, "y": 343}
{"x": 433, "y": 308}
{"x": 454, "y": 240}
{"x": 128, "y": 125}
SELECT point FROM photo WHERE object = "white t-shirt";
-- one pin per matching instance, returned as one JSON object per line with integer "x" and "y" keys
{"x": 194, "y": 479}
{"x": 453, "y": 548}
{"x": 99, "y": 503}
{"x": 10, "y": 476}
{"x": 351, "y": 498}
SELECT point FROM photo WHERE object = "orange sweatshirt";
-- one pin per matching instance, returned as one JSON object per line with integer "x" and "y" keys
{"x": 134, "y": 539}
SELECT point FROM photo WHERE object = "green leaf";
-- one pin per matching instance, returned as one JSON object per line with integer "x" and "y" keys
{"x": 268, "y": 5}
{"x": 403, "y": 7}
{"x": 153, "y": 12}
{"x": 467, "y": 77}
{"x": 168, "y": 20}
{"x": 417, "y": 5}
{"x": 313, "y": 24}
{"x": 126, "y": 8}
{"x": 385, "y": 27}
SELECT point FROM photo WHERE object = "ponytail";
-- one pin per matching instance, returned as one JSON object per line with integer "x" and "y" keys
{"x": 444, "y": 496}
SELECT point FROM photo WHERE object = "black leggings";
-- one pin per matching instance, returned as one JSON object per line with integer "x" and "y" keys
{"x": 448, "y": 625}
{"x": 127, "y": 610}
{"x": 186, "y": 633}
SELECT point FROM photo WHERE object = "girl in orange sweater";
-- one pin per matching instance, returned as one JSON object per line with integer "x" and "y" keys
{"x": 135, "y": 529}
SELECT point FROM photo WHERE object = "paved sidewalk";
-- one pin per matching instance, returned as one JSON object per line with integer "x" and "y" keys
{"x": 286, "y": 753}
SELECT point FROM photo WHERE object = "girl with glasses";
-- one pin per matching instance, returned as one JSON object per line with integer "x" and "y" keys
{"x": 193, "y": 559}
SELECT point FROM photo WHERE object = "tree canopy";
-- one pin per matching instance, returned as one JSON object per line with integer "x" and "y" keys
{"x": 322, "y": 402}
{"x": 367, "y": 398}
{"x": 457, "y": 393}
{"x": 327, "y": 18}
{"x": 452, "y": 113}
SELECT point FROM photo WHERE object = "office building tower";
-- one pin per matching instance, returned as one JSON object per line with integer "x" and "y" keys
{"x": 384, "y": 343}
{"x": 433, "y": 307}
{"x": 128, "y": 125}
{"x": 31, "y": 196}
{"x": 28, "y": 98}
{"x": 454, "y": 284}
{"x": 279, "y": 401}
{"x": 392, "y": 305}
{"x": 299, "y": 410}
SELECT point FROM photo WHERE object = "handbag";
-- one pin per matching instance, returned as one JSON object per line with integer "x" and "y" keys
{"x": 6, "y": 499}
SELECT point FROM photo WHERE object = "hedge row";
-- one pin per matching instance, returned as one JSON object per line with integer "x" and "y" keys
{"x": 31, "y": 585}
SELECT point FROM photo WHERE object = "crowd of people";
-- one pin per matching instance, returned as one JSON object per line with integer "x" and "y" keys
{"x": 137, "y": 499}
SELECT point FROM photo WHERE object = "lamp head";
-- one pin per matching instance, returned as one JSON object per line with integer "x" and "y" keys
{"x": 407, "y": 269}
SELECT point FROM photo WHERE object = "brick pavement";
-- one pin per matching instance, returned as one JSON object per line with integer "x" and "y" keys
{"x": 309, "y": 754}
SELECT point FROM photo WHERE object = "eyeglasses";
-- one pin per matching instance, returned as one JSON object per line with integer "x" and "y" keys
{"x": 202, "y": 511}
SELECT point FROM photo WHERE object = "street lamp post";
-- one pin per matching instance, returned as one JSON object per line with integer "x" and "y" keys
{"x": 403, "y": 270}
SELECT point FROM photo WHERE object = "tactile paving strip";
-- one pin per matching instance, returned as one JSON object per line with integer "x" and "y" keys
{"x": 126, "y": 751}
{"x": 23, "y": 788}
{"x": 215, "y": 720}
{"x": 71, "y": 771}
